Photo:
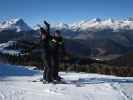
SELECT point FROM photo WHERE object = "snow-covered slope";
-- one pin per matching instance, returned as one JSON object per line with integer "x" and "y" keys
{"x": 7, "y": 44}
{"x": 16, "y": 84}
{"x": 16, "y": 25}
{"x": 5, "y": 48}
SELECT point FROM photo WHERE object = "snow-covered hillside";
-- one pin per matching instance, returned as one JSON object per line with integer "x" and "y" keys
{"x": 5, "y": 48}
{"x": 16, "y": 84}
{"x": 16, "y": 24}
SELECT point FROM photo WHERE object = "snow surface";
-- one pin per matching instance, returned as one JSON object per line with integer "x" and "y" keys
{"x": 16, "y": 84}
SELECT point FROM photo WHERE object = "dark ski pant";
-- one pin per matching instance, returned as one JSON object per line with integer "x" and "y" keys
{"x": 56, "y": 62}
{"x": 48, "y": 70}
{"x": 51, "y": 67}
{"x": 55, "y": 66}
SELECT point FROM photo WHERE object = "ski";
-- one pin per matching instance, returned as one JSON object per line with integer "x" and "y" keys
{"x": 62, "y": 81}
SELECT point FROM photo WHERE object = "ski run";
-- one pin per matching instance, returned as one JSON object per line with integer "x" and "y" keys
{"x": 16, "y": 84}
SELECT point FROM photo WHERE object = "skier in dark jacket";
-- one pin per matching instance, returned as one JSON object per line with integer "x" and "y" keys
{"x": 46, "y": 39}
{"x": 53, "y": 48}
{"x": 57, "y": 53}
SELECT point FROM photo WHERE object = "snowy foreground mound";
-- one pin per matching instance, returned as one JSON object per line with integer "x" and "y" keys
{"x": 16, "y": 84}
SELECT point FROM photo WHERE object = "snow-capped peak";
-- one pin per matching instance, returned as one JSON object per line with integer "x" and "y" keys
{"x": 110, "y": 20}
{"x": 15, "y": 24}
{"x": 95, "y": 20}
{"x": 14, "y": 20}
{"x": 130, "y": 18}
{"x": 61, "y": 25}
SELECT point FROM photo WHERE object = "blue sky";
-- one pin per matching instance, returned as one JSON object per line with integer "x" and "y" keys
{"x": 68, "y": 11}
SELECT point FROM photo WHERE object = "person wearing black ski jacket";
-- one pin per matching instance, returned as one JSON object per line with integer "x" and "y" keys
{"x": 46, "y": 39}
{"x": 57, "y": 52}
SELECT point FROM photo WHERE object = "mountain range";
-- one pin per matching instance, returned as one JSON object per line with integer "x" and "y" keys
{"x": 95, "y": 37}
{"x": 14, "y": 29}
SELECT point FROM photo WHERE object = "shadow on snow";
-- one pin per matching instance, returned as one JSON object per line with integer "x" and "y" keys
{"x": 12, "y": 70}
{"x": 83, "y": 81}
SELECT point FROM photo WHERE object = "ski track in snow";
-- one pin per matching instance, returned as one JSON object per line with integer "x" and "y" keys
{"x": 80, "y": 86}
